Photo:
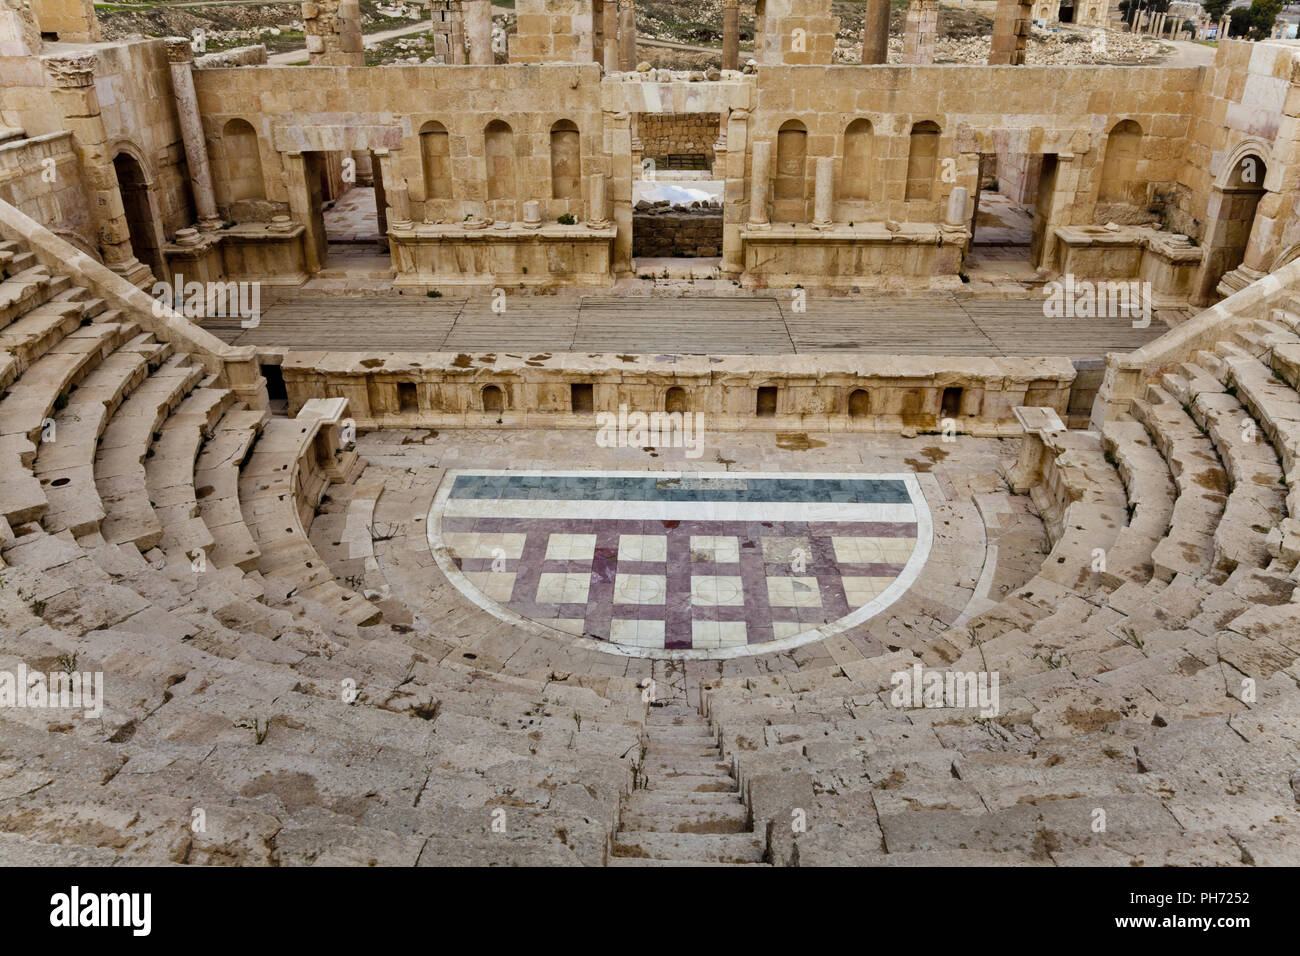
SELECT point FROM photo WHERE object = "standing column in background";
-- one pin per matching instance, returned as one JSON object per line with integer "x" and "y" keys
{"x": 626, "y": 35}
{"x": 731, "y": 35}
{"x": 875, "y": 32}
{"x": 180, "y": 58}
{"x": 478, "y": 24}
{"x": 1010, "y": 28}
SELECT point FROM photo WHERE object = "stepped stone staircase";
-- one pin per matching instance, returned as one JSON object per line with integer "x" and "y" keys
{"x": 686, "y": 809}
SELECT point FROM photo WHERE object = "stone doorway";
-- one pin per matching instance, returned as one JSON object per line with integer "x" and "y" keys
{"x": 1005, "y": 227}
{"x": 1231, "y": 217}
{"x": 141, "y": 217}
{"x": 355, "y": 226}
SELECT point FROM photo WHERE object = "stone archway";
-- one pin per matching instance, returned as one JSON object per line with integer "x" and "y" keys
{"x": 141, "y": 207}
{"x": 1230, "y": 219}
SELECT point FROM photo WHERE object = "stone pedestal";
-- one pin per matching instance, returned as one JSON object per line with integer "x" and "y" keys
{"x": 73, "y": 94}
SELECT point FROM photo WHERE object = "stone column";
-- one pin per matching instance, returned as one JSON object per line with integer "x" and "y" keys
{"x": 730, "y": 35}
{"x": 619, "y": 129}
{"x": 919, "y": 29}
{"x": 396, "y": 195}
{"x": 609, "y": 12}
{"x": 1010, "y": 28}
{"x": 824, "y": 192}
{"x": 875, "y": 32}
{"x": 956, "y": 212}
{"x": 180, "y": 57}
{"x": 478, "y": 17}
{"x": 73, "y": 93}
{"x": 759, "y": 185}
{"x": 596, "y": 203}
{"x": 729, "y": 166}
{"x": 626, "y": 35}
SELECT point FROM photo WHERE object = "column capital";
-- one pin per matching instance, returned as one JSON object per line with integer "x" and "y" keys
{"x": 179, "y": 50}
{"x": 72, "y": 70}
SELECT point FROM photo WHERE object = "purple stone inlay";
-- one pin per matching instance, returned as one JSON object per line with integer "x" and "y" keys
{"x": 677, "y": 612}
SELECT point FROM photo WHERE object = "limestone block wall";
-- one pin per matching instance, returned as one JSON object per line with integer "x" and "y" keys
{"x": 1063, "y": 110}
{"x": 824, "y": 392}
{"x": 794, "y": 32}
{"x": 134, "y": 89}
{"x": 42, "y": 178}
{"x": 553, "y": 31}
{"x": 1250, "y": 107}
{"x": 677, "y": 231}
{"x": 490, "y": 130}
{"x": 664, "y": 133}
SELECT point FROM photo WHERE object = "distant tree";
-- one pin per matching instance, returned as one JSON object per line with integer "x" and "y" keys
{"x": 1130, "y": 8}
{"x": 1216, "y": 8}
{"x": 1257, "y": 21}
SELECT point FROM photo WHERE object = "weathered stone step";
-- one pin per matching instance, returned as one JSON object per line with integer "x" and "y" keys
{"x": 644, "y": 800}
{"x": 701, "y": 847}
{"x": 726, "y": 818}
{"x": 216, "y": 487}
{"x": 23, "y": 291}
{"x": 692, "y": 782}
{"x": 702, "y": 766}
{"x": 66, "y": 465}
{"x": 635, "y": 861}
{"x": 120, "y": 463}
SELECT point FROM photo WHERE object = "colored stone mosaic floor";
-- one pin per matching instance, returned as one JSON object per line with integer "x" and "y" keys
{"x": 651, "y": 563}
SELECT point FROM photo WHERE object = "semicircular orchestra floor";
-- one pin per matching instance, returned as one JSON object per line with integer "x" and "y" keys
{"x": 730, "y": 562}
{"x": 768, "y": 543}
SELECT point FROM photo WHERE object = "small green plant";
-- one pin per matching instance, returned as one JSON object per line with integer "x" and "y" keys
{"x": 567, "y": 219}
{"x": 577, "y": 719}
{"x": 259, "y": 728}
{"x": 38, "y": 607}
{"x": 66, "y": 662}
{"x": 61, "y": 401}
{"x": 434, "y": 294}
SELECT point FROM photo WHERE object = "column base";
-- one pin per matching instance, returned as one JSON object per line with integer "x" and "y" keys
{"x": 135, "y": 272}
{"x": 1236, "y": 280}
{"x": 210, "y": 225}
